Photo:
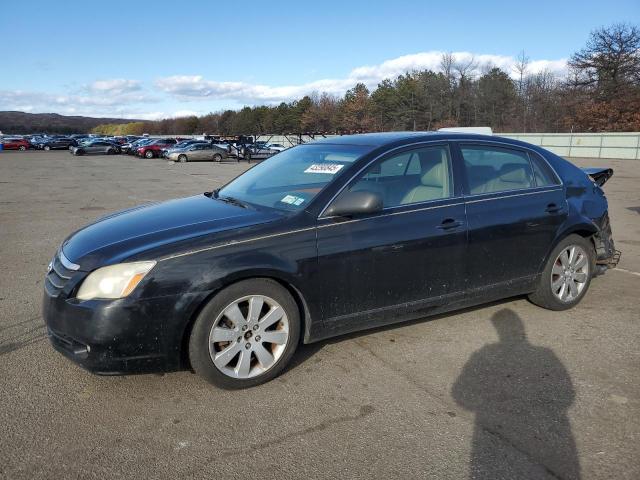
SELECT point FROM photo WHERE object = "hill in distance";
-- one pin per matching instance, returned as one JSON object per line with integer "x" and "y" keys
{"x": 23, "y": 123}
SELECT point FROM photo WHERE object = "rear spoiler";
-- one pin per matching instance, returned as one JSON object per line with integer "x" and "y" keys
{"x": 599, "y": 175}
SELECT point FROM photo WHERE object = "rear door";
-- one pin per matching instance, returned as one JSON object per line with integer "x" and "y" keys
{"x": 515, "y": 204}
{"x": 386, "y": 264}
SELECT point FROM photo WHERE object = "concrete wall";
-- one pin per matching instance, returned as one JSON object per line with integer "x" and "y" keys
{"x": 585, "y": 145}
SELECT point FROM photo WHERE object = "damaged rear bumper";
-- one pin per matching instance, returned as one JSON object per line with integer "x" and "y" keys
{"x": 606, "y": 254}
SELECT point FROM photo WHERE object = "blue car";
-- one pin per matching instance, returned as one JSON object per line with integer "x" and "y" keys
{"x": 326, "y": 238}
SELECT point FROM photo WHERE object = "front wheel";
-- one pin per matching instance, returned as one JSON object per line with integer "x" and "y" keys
{"x": 245, "y": 335}
{"x": 567, "y": 275}
{"x": 22, "y": 148}
{"x": 148, "y": 154}
{"x": 47, "y": 148}
{"x": 217, "y": 158}
{"x": 182, "y": 158}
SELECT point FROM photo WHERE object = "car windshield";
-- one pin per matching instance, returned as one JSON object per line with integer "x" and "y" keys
{"x": 289, "y": 180}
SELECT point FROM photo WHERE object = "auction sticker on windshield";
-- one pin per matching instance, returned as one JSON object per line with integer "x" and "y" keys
{"x": 330, "y": 168}
{"x": 292, "y": 200}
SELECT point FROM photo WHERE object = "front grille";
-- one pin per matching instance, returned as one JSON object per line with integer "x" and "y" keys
{"x": 59, "y": 275}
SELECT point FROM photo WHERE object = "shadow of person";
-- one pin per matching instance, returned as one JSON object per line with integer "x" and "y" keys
{"x": 520, "y": 394}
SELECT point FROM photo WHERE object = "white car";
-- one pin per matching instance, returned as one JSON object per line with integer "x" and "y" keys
{"x": 275, "y": 146}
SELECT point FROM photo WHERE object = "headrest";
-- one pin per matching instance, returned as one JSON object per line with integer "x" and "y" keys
{"x": 433, "y": 176}
{"x": 514, "y": 173}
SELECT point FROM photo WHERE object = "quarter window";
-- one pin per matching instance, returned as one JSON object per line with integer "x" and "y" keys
{"x": 496, "y": 169}
{"x": 542, "y": 172}
{"x": 410, "y": 177}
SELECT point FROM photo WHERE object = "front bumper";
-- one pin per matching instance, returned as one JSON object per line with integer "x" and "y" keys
{"x": 116, "y": 336}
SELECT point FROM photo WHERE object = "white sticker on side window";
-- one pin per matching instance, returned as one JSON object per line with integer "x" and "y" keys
{"x": 330, "y": 168}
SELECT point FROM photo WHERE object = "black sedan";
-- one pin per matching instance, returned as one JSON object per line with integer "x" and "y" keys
{"x": 322, "y": 239}
{"x": 57, "y": 143}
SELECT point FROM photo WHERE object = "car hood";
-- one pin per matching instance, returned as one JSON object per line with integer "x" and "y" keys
{"x": 116, "y": 237}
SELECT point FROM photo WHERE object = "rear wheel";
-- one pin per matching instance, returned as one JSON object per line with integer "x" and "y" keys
{"x": 47, "y": 148}
{"x": 182, "y": 158}
{"x": 217, "y": 158}
{"x": 22, "y": 148}
{"x": 245, "y": 335}
{"x": 567, "y": 275}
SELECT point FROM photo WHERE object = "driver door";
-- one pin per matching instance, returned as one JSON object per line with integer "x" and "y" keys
{"x": 383, "y": 266}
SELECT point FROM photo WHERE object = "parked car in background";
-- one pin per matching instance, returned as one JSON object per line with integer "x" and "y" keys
{"x": 199, "y": 152}
{"x": 154, "y": 149}
{"x": 181, "y": 145}
{"x": 96, "y": 146}
{"x": 278, "y": 147}
{"x": 257, "y": 152}
{"x": 57, "y": 143}
{"x": 35, "y": 141}
{"x": 131, "y": 148}
{"x": 14, "y": 143}
{"x": 323, "y": 239}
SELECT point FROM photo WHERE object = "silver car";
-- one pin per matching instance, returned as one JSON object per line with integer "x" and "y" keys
{"x": 199, "y": 152}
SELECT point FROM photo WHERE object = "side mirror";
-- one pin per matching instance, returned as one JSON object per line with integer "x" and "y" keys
{"x": 355, "y": 203}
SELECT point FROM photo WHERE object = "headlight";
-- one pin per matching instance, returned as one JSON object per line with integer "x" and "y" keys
{"x": 115, "y": 281}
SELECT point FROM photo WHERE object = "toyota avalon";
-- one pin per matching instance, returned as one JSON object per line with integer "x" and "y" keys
{"x": 325, "y": 238}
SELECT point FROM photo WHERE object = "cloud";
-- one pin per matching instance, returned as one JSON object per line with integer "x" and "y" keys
{"x": 99, "y": 99}
{"x": 196, "y": 87}
{"x": 116, "y": 86}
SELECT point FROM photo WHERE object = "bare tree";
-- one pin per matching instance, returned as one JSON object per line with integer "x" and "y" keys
{"x": 520, "y": 68}
{"x": 610, "y": 61}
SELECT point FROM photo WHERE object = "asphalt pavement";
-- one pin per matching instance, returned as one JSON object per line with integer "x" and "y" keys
{"x": 506, "y": 390}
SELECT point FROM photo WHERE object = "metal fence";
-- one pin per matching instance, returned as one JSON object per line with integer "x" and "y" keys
{"x": 580, "y": 145}
{"x": 585, "y": 145}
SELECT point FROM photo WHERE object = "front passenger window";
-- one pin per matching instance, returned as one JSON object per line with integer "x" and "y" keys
{"x": 413, "y": 176}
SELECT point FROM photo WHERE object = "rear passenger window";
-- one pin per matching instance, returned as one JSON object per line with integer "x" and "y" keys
{"x": 496, "y": 169}
{"x": 542, "y": 172}
{"x": 416, "y": 176}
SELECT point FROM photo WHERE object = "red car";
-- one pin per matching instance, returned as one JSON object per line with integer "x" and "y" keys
{"x": 154, "y": 149}
{"x": 15, "y": 144}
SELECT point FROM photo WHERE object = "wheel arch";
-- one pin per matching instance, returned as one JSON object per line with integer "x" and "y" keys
{"x": 584, "y": 229}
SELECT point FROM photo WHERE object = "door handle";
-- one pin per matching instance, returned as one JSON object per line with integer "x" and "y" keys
{"x": 553, "y": 208}
{"x": 449, "y": 224}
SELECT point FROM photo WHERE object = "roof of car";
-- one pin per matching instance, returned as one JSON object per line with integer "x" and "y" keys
{"x": 376, "y": 140}
{"x": 384, "y": 138}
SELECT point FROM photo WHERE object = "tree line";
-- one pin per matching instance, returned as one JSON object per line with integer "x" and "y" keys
{"x": 600, "y": 92}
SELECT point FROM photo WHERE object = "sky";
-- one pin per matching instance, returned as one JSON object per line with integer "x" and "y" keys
{"x": 149, "y": 60}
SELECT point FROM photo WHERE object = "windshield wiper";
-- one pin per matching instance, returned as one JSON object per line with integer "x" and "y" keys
{"x": 233, "y": 201}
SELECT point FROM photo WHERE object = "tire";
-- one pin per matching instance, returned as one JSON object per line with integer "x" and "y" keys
{"x": 46, "y": 147}
{"x": 217, "y": 158}
{"x": 110, "y": 151}
{"x": 183, "y": 158}
{"x": 79, "y": 153}
{"x": 148, "y": 154}
{"x": 247, "y": 156}
{"x": 571, "y": 279}
{"x": 22, "y": 148}
{"x": 243, "y": 340}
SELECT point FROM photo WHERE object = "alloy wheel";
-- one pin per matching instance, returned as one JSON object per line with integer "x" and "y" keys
{"x": 570, "y": 273}
{"x": 249, "y": 336}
